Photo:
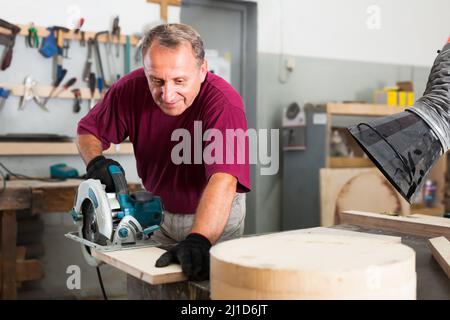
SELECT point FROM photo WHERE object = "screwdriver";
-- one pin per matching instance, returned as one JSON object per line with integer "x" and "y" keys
{"x": 59, "y": 79}
{"x": 77, "y": 101}
{"x": 92, "y": 86}
{"x": 100, "y": 86}
{"x": 66, "y": 86}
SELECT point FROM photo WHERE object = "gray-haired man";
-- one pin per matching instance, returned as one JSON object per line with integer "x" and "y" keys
{"x": 204, "y": 200}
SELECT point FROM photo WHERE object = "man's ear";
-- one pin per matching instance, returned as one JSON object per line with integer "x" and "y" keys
{"x": 203, "y": 70}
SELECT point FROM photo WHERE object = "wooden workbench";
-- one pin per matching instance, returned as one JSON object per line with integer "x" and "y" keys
{"x": 38, "y": 197}
{"x": 432, "y": 282}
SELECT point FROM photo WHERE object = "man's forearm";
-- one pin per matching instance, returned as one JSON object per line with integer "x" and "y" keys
{"x": 215, "y": 206}
{"x": 88, "y": 146}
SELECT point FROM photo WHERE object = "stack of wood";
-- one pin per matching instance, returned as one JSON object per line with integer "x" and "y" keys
{"x": 30, "y": 229}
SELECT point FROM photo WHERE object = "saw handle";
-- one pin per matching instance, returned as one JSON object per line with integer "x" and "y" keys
{"x": 118, "y": 176}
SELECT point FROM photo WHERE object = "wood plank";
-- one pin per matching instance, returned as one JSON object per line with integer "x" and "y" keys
{"x": 43, "y": 90}
{"x": 440, "y": 248}
{"x": 14, "y": 199}
{"x": 54, "y": 148}
{"x": 407, "y": 224}
{"x": 341, "y": 232}
{"x": 362, "y": 109}
{"x": 424, "y": 217}
{"x": 43, "y": 32}
{"x": 349, "y": 162}
{"x": 163, "y": 6}
{"x": 437, "y": 211}
{"x": 9, "y": 238}
{"x": 53, "y": 199}
{"x": 28, "y": 270}
{"x": 312, "y": 266}
{"x": 140, "y": 263}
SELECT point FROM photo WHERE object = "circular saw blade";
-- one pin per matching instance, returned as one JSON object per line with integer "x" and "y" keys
{"x": 90, "y": 229}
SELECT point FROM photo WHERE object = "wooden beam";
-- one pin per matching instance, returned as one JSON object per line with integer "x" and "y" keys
{"x": 56, "y": 199}
{"x": 43, "y": 32}
{"x": 14, "y": 199}
{"x": 8, "y": 265}
{"x": 440, "y": 248}
{"x": 140, "y": 263}
{"x": 349, "y": 162}
{"x": 414, "y": 225}
{"x": 26, "y": 270}
{"x": 54, "y": 148}
{"x": 164, "y": 5}
{"x": 44, "y": 91}
{"x": 362, "y": 109}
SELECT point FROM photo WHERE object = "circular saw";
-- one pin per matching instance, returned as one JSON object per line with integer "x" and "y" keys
{"x": 114, "y": 221}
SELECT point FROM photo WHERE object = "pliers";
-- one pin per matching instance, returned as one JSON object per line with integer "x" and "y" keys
{"x": 32, "y": 39}
{"x": 30, "y": 94}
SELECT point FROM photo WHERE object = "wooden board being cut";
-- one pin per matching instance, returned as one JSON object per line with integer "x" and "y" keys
{"x": 356, "y": 189}
{"x": 298, "y": 265}
{"x": 140, "y": 263}
{"x": 440, "y": 248}
{"x": 419, "y": 225}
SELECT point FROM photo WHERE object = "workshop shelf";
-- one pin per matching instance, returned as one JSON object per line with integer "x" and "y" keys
{"x": 54, "y": 148}
{"x": 349, "y": 162}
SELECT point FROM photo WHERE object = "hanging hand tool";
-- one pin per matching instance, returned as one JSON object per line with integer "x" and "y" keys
{"x": 4, "y": 94}
{"x": 79, "y": 25}
{"x": 92, "y": 86}
{"x": 88, "y": 63}
{"x": 66, "y": 86}
{"x": 111, "y": 62}
{"x": 59, "y": 35}
{"x": 49, "y": 47}
{"x": 99, "y": 58}
{"x": 66, "y": 48}
{"x": 100, "y": 86}
{"x": 32, "y": 39}
{"x": 59, "y": 78}
{"x": 8, "y": 40}
{"x": 30, "y": 94}
{"x": 83, "y": 39}
{"x": 127, "y": 62}
{"x": 77, "y": 100}
{"x": 116, "y": 33}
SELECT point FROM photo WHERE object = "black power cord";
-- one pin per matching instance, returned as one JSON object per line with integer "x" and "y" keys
{"x": 6, "y": 175}
{"x": 101, "y": 283}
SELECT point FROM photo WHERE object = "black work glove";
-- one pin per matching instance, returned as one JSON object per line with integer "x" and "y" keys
{"x": 97, "y": 168}
{"x": 193, "y": 255}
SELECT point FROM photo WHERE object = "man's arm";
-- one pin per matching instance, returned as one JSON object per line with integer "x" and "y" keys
{"x": 215, "y": 206}
{"x": 88, "y": 146}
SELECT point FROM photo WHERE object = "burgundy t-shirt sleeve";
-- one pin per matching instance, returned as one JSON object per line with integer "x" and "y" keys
{"x": 236, "y": 146}
{"x": 106, "y": 120}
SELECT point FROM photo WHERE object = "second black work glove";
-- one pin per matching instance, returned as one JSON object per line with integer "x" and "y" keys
{"x": 192, "y": 254}
{"x": 97, "y": 168}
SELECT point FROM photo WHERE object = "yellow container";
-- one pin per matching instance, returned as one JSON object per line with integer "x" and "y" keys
{"x": 410, "y": 99}
{"x": 402, "y": 98}
{"x": 392, "y": 98}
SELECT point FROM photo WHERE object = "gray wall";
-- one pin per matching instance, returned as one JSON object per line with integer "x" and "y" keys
{"x": 314, "y": 80}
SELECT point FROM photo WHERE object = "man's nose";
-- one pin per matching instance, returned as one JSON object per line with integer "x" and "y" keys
{"x": 168, "y": 93}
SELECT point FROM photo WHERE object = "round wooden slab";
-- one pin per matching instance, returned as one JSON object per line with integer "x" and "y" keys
{"x": 312, "y": 266}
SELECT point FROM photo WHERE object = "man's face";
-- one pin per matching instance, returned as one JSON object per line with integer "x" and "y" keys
{"x": 174, "y": 76}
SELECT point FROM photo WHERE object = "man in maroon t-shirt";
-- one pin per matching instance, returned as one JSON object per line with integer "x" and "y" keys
{"x": 163, "y": 108}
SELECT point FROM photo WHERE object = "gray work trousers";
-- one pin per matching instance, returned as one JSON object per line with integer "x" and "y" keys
{"x": 175, "y": 228}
